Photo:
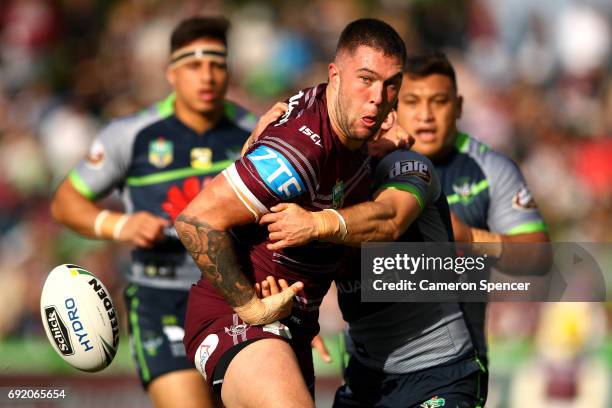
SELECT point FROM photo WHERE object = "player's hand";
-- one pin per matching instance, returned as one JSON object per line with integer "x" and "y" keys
{"x": 290, "y": 225}
{"x": 266, "y": 119}
{"x": 318, "y": 344}
{"x": 261, "y": 310}
{"x": 390, "y": 137}
{"x": 461, "y": 231}
{"x": 143, "y": 229}
{"x": 271, "y": 287}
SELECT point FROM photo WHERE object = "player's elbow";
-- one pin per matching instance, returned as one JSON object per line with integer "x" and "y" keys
{"x": 58, "y": 208}
{"x": 56, "y": 212}
{"x": 189, "y": 220}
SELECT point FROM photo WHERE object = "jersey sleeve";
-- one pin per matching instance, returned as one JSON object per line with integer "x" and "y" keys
{"x": 512, "y": 209}
{"x": 408, "y": 171}
{"x": 277, "y": 168}
{"x": 106, "y": 165}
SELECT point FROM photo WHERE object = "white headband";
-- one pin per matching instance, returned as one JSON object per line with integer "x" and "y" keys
{"x": 188, "y": 54}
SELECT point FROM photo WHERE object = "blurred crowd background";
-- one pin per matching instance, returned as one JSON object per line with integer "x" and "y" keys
{"x": 536, "y": 80}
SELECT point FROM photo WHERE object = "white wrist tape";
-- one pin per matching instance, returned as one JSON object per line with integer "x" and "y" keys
{"x": 119, "y": 226}
{"x": 99, "y": 221}
{"x": 343, "y": 232}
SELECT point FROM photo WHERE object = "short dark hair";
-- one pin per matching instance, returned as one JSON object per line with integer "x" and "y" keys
{"x": 430, "y": 63}
{"x": 372, "y": 33}
{"x": 195, "y": 28}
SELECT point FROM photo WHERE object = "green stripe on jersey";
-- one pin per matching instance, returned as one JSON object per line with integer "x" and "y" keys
{"x": 230, "y": 110}
{"x": 165, "y": 108}
{"x": 80, "y": 186}
{"x": 165, "y": 176}
{"x": 533, "y": 226}
{"x": 142, "y": 362}
{"x": 462, "y": 143}
{"x": 404, "y": 187}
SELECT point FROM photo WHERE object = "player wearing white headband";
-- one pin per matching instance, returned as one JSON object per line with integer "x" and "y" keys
{"x": 159, "y": 160}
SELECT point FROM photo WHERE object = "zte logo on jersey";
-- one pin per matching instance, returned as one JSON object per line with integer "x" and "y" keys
{"x": 293, "y": 102}
{"x": 312, "y": 135}
{"x": 276, "y": 171}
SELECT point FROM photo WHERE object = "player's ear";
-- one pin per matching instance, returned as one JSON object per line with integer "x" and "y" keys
{"x": 459, "y": 107}
{"x": 171, "y": 76}
{"x": 334, "y": 75}
{"x": 389, "y": 120}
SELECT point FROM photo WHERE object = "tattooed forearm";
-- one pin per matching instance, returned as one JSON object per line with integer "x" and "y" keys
{"x": 213, "y": 252}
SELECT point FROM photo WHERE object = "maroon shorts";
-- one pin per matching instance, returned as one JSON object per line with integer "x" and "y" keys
{"x": 212, "y": 329}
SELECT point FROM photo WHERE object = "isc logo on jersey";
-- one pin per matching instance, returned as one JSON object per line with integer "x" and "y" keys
{"x": 276, "y": 171}
{"x": 411, "y": 168}
{"x": 79, "y": 318}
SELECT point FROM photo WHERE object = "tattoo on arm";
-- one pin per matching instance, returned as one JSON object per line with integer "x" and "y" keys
{"x": 213, "y": 252}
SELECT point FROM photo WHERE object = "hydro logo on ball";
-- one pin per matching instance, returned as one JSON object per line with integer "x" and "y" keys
{"x": 77, "y": 326}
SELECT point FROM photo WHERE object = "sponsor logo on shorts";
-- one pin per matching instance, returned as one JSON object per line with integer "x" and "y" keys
{"x": 279, "y": 329}
{"x": 434, "y": 402}
{"x": 152, "y": 344}
{"x": 237, "y": 329}
{"x": 411, "y": 168}
{"x": 206, "y": 348}
{"x": 175, "y": 336}
{"x": 523, "y": 200}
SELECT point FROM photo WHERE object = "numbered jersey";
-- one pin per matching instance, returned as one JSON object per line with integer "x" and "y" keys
{"x": 159, "y": 164}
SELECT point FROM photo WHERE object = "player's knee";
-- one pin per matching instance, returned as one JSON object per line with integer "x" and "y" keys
{"x": 184, "y": 388}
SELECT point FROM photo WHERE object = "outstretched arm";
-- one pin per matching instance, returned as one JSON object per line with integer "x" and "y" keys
{"x": 203, "y": 227}
{"x": 82, "y": 215}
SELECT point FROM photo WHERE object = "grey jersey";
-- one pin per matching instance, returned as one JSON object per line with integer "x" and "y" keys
{"x": 486, "y": 190}
{"x": 158, "y": 163}
{"x": 406, "y": 337}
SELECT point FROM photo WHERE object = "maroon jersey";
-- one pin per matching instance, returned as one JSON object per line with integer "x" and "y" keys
{"x": 297, "y": 159}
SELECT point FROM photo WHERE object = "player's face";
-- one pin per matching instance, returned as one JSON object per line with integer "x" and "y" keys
{"x": 367, "y": 83}
{"x": 428, "y": 108}
{"x": 201, "y": 83}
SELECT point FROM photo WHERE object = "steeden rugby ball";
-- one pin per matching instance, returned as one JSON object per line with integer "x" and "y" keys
{"x": 80, "y": 318}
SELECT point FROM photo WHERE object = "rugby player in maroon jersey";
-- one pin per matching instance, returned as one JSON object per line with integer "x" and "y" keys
{"x": 313, "y": 155}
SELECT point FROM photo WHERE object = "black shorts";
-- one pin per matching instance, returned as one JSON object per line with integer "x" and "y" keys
{"x": 462, "y": 384}
{"x": 156, "y": 319}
